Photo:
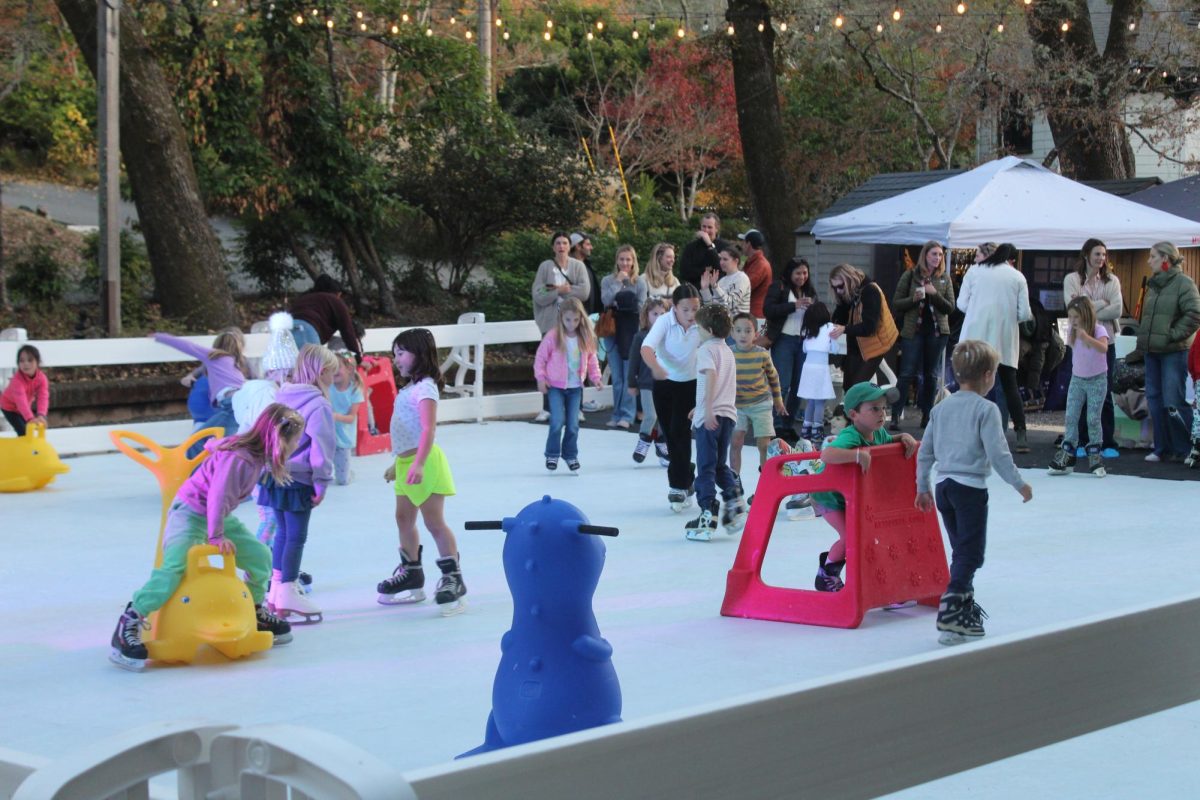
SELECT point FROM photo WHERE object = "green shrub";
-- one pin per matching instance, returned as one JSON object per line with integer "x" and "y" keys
{"x": 38, "y": 277}
{"x": 137, "y": 279}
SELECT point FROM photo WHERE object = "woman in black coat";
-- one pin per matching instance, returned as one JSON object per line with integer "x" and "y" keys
{"x": 784, "y": 307}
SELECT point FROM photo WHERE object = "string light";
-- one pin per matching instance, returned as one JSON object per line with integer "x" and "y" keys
{"x": 299, "y": 19}
{"x": 704, "y": 27}
{"x": 599, "y": 24}
{"x": 1132, "y": 25}
{"x": 329, "y": 24}
{"x": 590, "y": 36}
{"x": 838, "y": 21}
{"x": 999, "y": 27}
{"x": 216, "y": 3}
{"x": 896, "y": 14}
{"x": 546, "y": 36}
{"x": 761, "y": 27}
{"x": 636, "y": 35}
{"x": 453, "y": 21}
{"x": 314, "y": 12}
{"x": 404, "y": 18}
{"x": 357, "y": 14}
{"x": 499, "y": 22}
{"x": 505, "y": 34}
{"x": 681, "y": 32}
{"x": 395, "y": 29}
{"x": 879, "y": 27}
{"x": 1066, "y": 26}
{"x": 652, "y": 21}
{"x": 729, "y": 30}
{"x": 362, "y": 26}
{"x": 469, "y": 34}
{"x": 429, "y": 31}
{"x": 549, "y": 23}
{"x": 783, "y": 27}
{"x": 961, "y": 8}
{"x": 938, "y": 28}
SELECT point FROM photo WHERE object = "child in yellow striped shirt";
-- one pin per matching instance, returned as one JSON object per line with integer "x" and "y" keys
{"x": 758, "y": 392}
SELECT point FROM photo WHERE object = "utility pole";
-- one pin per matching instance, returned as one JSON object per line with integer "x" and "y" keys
{"x": 485, "y": 44}
{"x": 108, "y": 112}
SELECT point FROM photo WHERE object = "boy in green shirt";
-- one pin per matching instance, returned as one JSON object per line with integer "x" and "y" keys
{"x": 866, "y": 407}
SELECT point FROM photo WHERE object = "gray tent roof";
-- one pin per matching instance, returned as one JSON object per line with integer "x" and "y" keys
{"x": 1181, "y": 197}
{"x": 890, "y": 184}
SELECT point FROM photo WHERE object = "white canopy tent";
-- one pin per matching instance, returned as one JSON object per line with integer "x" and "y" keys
{"x": 1009, "y": 200}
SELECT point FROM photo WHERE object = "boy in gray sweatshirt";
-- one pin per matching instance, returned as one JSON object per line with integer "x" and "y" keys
{"x": 966, "y": 439}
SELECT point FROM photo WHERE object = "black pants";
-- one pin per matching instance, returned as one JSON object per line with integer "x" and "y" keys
{"x": 1107, "y": 421}
{"x": 16, "y": 421}
{"x": 673, "y": 400}
{"x": 856, "y": 369}
{"x": 1010, "y": 403}
{"x": 964, "y": 512}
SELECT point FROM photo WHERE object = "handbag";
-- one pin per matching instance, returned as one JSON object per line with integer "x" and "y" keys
{"x": 607, "y": 324}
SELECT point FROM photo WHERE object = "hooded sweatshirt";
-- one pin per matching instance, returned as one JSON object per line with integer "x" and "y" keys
{"x": 312, "y": 462}
{"x": 221, "y": 482}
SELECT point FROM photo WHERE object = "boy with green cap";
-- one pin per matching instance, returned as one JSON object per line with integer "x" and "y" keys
{"x": 866, "y": 407}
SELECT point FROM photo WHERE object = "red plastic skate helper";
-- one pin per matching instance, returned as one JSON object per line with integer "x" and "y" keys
{"x": 379, "y": 386}
{"x": 894, "y": 552}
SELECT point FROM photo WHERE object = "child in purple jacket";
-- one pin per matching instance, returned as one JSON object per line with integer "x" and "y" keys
{"x": 203, "y": 511}
{"x": 565, "y": 359}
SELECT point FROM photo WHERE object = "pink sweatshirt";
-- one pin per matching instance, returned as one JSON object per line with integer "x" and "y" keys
{"x": 219, "y": 485}
{"x": 20, "y": 393}
{"x": 550, "y": 364}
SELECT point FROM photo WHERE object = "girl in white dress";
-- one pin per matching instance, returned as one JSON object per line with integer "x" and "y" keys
{"x": 816, "y": 384}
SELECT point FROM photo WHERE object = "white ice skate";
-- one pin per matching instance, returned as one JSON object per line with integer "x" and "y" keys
{"x": 287, "y": 599}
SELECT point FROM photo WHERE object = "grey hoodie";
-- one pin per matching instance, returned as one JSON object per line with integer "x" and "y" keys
{"x": 312, "y": 463}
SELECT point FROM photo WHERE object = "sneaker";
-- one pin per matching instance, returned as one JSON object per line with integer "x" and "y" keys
{"x": 582, "y": 418}
{"x": 542, "y": 416}
{"x": 589, "y": 405}
{"x": 623, "y": 424}
{"x": 829, "y": 575}
{"x": 1064, "y": 460}
{"x": 279, "y": 628}
{"x": 959, "y": 619}
{"x": 1153, "y": 458}
{"x": 552, "y": 464}
{"x": 573, "y": 464}
{"x": 1096, "y": 465}
{"x": 641, "y": 449}
{"x": 612, "y": 423}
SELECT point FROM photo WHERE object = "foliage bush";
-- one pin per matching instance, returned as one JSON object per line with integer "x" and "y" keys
{"x": 38, "y": 277}
{"x": 137, "y": 280}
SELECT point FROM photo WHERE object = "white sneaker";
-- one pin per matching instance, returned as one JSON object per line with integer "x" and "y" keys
{"x": 1153, "y": 458}
{"x": 542, "y": 416}
{"x": 590, "y": 405}
{"x": 582, "y": 418}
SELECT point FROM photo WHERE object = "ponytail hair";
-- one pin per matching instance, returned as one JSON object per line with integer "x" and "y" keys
{"x": 1169, "y": 252}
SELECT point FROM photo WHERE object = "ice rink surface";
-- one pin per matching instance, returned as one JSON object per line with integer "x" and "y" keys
{"x": 414, "y": 688}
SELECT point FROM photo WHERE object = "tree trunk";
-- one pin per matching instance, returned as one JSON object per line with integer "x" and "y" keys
{"x": 345, "y": 253}
{"x": 185, "y": 253}
{"x": 303, "y": 258}
{"x": 1085, "y": 89}
{"x": 369, "y": 257}
{"x": 760, "y": 124}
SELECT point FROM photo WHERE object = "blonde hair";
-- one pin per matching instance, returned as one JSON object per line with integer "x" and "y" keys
{"x": 656, "y": 276}
{"x": 270, "y": 440}
{"x": 1082, "y": 305}
{"x": 587, "y": 336}
{"x": 1170, "y": 252}
{"x": 972, "y": 359}
{"x": 648, "y": 306}
{"x": 987, "y": 248}
{"x": 313, "y": 360}
{"x": 925, "y": 251}
{"x": 231, "y": 342}
{"x": 347, "y": 360}
{"x": 626, "y": 248}
{"x": 851, "y": 275}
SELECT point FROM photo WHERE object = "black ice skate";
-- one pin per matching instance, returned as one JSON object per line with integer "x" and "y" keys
{"x": 1064, "y": 460}
{"x": 960, "y": 619}
{"x": 679, "y": 499}
{"x": 642, "y": 448}
{"x": 450, "y": 588}
{"x": 704, "y": 525}
{"x": 407, "y": 584}
{"x": 734, "y": 512}
{"x": 305, "y": 581}
{"x": 1193, "y": 458}
{"x": 1096, "y": 462}
{"x": 128, "y": 652}
{"x": 829, "y": 575}
{"x": 280, "y": 629}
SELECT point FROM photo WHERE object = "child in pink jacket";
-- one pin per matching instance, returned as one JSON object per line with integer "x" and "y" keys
{"x": 565, "y": 359}
{"x": 26, "y": 399}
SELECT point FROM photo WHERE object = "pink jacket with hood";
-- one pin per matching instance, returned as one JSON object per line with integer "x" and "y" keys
{"x": 550, "y": 364}
{"x": 217, "y": 487}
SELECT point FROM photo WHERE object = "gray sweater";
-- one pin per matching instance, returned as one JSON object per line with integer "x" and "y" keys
{"x": 966, "y": 440}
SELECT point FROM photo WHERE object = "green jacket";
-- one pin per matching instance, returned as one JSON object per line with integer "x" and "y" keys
{"x": 905, "y": 302}
{"x": 1170, "y": 313}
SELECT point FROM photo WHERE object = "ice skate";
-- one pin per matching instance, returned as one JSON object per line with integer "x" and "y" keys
{"x": 664, "y": 457}
{"x": 642, "y": 448}
{"x": 450, "y": 588}
{"x": 407, "y": 584}
{"x": 128, "y": 652}
{"x": 1064, "y": 460}
{"x": 734, "y": 512}
{"x": 573, "y": 464}
{"x": 551, "y": 464}
{"x": 1193, "y": 458}
{"x": 679, "y": 499}
{"x": 305, "y": 581}
{"x": 1096, "y": 464}
{"x": 272, "y": 624}
{"x": 799, "y": 506}
{"x": 829, "y": 575}
{"x": 288, "y": 598}
{"x": 703, "y": 526}
{"x": 959, "y": 619}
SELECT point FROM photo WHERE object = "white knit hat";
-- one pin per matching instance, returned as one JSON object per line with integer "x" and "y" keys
{"x": 281, "y": 352}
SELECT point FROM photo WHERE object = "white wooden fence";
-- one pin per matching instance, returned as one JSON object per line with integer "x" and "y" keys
{"x": 468, "y": 342}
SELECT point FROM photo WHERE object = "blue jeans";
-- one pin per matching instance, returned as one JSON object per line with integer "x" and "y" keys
{"x": 222, "y": 417}
{"x": 787, "y": 353}
{"x": 304, "y": 333}
{"x": 1172, "y": 417}
{"x": 712, "y": 461}
{"x": 291, "y": 532}
{"x": 563, "y": 439}
{"x": 919, "y": 356}
{"x": 624, "y": 405}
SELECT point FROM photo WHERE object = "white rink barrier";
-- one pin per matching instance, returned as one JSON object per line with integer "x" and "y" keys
{"x": 900, "y": 724}
{"x": 467, "y": 341}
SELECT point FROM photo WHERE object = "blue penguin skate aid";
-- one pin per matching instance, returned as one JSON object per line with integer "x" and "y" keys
{"x": 556, "y": 673}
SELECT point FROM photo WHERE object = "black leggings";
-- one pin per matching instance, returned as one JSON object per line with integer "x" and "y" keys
{"x": 16, "y": 421}
{"x": 673, "y": 400}
{"x": 1006, "y": 383}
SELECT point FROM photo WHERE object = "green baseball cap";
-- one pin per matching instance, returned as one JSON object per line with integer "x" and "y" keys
{"x": 861, "y": 393}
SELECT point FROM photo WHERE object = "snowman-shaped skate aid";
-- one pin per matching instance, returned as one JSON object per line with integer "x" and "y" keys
{"x": 556, "y": 674}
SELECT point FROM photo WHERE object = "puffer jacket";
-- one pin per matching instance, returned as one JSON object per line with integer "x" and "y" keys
{"x": 904, "y": 302}
{"x": 1170, "y": 313}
